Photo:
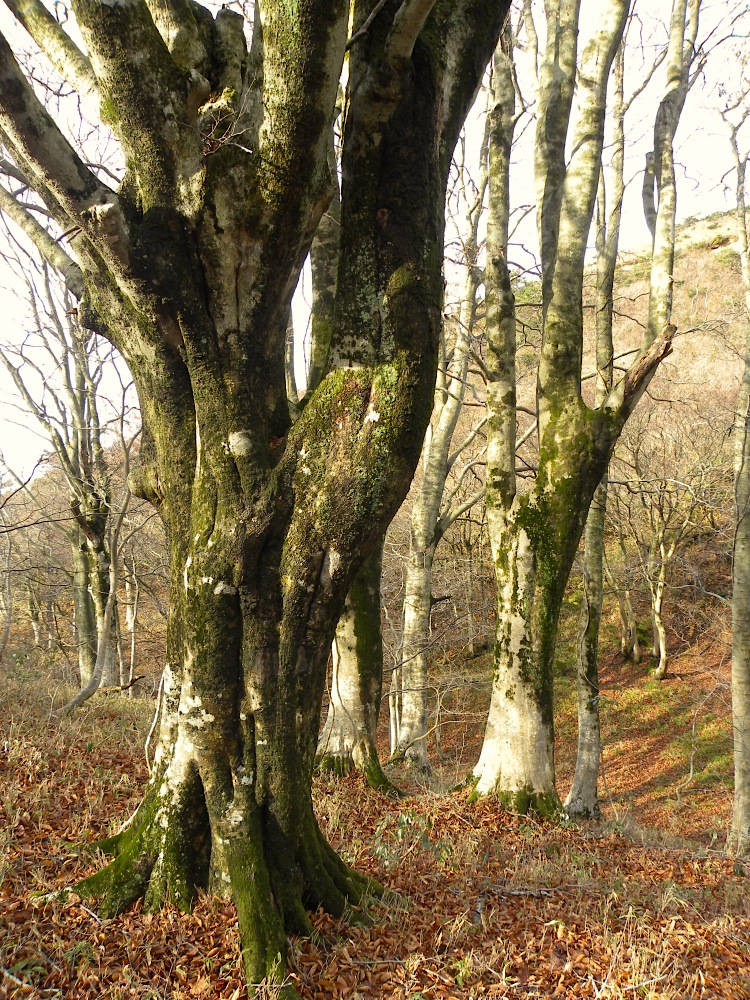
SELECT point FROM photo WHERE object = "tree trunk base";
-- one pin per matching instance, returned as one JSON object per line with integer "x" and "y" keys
{"x": 579, "y": 808}
{"x": 412, "y": 758}
{"x": 524, "y": 801}
{"x": 339, "y": 765}
{"x": 273, "y": 877}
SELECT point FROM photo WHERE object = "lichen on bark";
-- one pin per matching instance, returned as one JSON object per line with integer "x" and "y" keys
{"x": 189, "y": 267}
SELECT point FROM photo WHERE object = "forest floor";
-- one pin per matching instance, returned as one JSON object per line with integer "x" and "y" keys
{"x": 643, "y": 904}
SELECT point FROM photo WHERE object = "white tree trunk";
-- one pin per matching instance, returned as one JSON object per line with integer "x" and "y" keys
{"x": 409, "y": 703}
{"x": 411, "y": 742}
{"x": 739, "y": 838}
{"x": 349, "y": 737}
{"x": 583, "y": 799}
{"x": 517, "y": 758}
{"x": 659, "y": 651}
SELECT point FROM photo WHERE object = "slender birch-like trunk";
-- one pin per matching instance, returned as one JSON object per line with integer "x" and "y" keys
{"x": 582, "y": 799}
{"x": 430, "y": 516}
{"x": 739, "y": 837}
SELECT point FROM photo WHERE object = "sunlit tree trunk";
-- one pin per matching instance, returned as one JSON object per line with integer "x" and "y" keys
{"x": 190, "y": 266}
{"x": 659, "y": 649}
{"x": 535, "y": 534}
{"x": 349, "y": 737}
{"x": 582, "y": 799}
{"x": 739, "y": 837}
{"x": 630, "y": 645}
{"x": 84, "y": 612}
{"x": 425, "y": 531}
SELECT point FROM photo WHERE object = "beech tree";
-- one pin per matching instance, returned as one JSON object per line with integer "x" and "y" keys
{"x": 57, "y": 371}
{"x": 434, "y": 509}
{"x": 188, "y": 265}
{"x": 680, "y": 53}
{"x": 670, "y": 480}
{"x": 736, "y": 114}
{"x": 535, "y": 533}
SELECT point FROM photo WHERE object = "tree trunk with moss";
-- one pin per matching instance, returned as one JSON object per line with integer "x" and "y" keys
{"x": 582, "y": 799}
{"x": 189, "y": 266}
{"x": 84, "y": 613}
{"x": 348, "y": 740}
{"x": 739, "y": 836}
{"x": 535, "y": 534}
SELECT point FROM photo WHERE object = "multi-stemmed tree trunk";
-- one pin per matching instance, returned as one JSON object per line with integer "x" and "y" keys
{"x": 68, "y": 416}
{"x": 534, "y": 534}
{"x": 189, "y": 266}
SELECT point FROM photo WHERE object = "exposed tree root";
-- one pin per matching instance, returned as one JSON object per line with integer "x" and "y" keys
{"x": 271, "y": 879}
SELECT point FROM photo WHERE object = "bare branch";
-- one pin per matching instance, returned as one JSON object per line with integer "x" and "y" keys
{"x": 49, "y": 248}
{"x": 407, "y": 24}
{"x": 56, "y": 44}
{"x": 636, "y": 379}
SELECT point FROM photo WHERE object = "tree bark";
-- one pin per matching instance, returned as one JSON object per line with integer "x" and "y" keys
{"x": 582, "y": 799}
{"x": 349, "y": 737}
{"x": 428, "y": 520}
{"x": 739, "y": 837}
{"x": 534, "y": 535}
{"x": 190, "y": 267}
{"x": 84, "y": 613}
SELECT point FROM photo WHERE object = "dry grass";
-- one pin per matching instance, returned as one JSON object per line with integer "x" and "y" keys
{"x": 482, "y": 904}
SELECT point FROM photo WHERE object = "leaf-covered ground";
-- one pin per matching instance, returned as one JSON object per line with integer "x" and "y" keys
{"x": 481, "y": 904}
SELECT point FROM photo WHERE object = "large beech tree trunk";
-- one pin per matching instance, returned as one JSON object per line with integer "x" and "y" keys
{"x": 534, "y": 535}
{"x": 189, "y": 266}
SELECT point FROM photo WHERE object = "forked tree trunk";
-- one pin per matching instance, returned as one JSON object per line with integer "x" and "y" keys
{"x": 582, "y": 799}
{"x": 190, "y": 266}
{"x": 534, "y": 535}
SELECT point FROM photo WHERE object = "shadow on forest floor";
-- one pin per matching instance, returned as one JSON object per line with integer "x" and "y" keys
{"x": 484, "y": 904}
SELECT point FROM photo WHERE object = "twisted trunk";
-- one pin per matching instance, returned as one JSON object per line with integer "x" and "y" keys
{"x": 190, "y": 267}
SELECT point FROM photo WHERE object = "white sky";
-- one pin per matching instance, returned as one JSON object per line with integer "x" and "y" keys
{"x": 702, "y": 152}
